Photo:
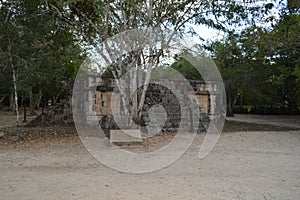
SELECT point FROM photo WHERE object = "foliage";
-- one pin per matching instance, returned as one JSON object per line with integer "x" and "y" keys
{"x": 260, "y": 66}
{"x": 44, "y": 39}
{"x": 231, "y": 59}
{"x": 186, "y": 69}
{"x": 94, "y": 21}
{"x": 42, "y": 51}
{"x": 285, "y": 39}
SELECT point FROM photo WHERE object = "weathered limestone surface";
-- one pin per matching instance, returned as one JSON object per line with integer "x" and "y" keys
{"x": 125, "y": 136}
{"x": 178, "y": 100}
{"x": 179, "y": 103}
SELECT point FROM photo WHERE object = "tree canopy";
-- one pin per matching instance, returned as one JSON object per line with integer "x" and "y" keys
{"x": 93, "y": 22}
{"x": 43, "y": 43}
{"x": 260, "y": 64}
{"x": 42, "y": 51}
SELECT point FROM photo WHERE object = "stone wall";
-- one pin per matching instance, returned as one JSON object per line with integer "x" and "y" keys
{"x": 157, "y": 94}
{"x": 162, "y": 106}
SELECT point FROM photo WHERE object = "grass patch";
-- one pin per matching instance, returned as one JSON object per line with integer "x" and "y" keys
{"x": 234, "y": 126}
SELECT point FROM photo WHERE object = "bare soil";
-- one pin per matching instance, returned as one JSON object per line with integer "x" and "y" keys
{"x": 250, "y": 161}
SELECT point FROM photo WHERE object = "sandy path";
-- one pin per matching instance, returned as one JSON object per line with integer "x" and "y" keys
{"x": 253, "y": 165}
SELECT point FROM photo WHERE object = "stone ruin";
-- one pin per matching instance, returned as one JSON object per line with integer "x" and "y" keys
{"x": 54, "y": 114}
{"x": 105, "y": 105}
{"x": 101, "y": 105}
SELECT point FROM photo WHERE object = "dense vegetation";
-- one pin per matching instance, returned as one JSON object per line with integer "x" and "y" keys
{"x": 39, "y": 56}
{"x": 260, "y": 66}
{"x": 43, "y": 43}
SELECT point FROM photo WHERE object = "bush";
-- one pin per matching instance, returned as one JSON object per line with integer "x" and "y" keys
{"x": 240, "y": 110}
{"x": 265, "y": 110}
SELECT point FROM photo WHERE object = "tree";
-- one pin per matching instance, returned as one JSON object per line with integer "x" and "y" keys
{"x": 285, "y": 38}
{"x": 278, "y": 50}
{"x": 261, "y": 62}
{"x": 228, "y": 57}
{"x": 38, "y": 51}
{"x": 93, "y": 22}
{"x": 244, "y": 65}
{"x": 186, "y": 69}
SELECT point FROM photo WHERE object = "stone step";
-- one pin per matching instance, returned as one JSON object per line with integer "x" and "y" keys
{"x": 125, "y": 136}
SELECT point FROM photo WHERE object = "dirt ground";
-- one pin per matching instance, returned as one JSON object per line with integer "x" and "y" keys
{"x": 243, "y": 165}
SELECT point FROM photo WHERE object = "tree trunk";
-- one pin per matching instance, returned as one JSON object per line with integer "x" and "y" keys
{"x": 147, "y": 79}
{"x": 229, "y": 112}
{"x": 39, "y": 98}
{"x": 18, "y": 124}
{"x": 24, "y": 112}
{"x": 15, "y": 90}
{"x": 31, "y": 103}
{"x": 14, "y": 76}
{"x": 55, "y": 98}
{"x": 12, "y": 102}
{"x": 2, "y": 99}
{"x": 231, "y": 100}
{"x": 133, "y": 95}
